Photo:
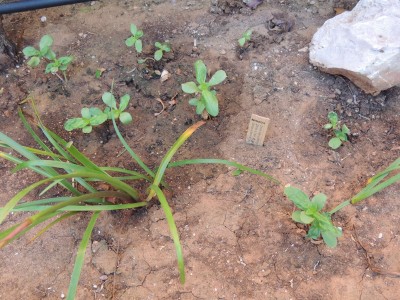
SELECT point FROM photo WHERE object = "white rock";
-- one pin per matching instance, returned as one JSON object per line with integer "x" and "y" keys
{"x": 363, "y": 45}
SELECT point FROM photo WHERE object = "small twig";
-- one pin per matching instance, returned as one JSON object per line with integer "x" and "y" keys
{"x": 163, "y": 107}
{"x": 133, "y": 70}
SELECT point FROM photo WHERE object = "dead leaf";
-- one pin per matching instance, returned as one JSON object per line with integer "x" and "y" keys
{"x": 163, "y": 107}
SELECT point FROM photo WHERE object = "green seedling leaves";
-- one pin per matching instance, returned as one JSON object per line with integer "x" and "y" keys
{"x": 190, "y": 87}
{"x": 94, "y": 116}
{"x": 30, "y": 51}
{"x": 45, "y": 42}
{"x": 333, "y": 118}
{"x": 298, "y": 197}
{"x": 162, "y": 47}
{"x": 319, "y": 200}
{"x": 201, "y": 71}
{"x": 335, "y": 143}
{"x": 207, "y": 99}
{"x": 124, "y": 101}
{"x": 90, "y": 117}
{"x": 340, "y": 133}
{"x": 47, "y": 53}
{"x": 34, "y": 61}
{"x": 118, "y": 113}
{"x": 158, "y": 55}
{"x": 135, "y": 40}
{"x": 310, "y": 213}
{"x": 345, "y": 130}
{"x": 217, "y": 78}
{"x": 125, "y": 117}
{"x": 245, "y": 37}
{"x": 211, "y": 102}
{"x": 109, "y": 100}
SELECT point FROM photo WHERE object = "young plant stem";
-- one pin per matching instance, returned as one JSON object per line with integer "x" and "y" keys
{"x": 60, "y": 77}
{"x": 340, "y": 206}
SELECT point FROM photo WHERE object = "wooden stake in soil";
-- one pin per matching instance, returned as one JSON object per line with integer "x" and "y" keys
{"x": 257, "y": 129}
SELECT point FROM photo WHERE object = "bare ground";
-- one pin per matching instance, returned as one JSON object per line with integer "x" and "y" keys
{"x": 238, "y": 238}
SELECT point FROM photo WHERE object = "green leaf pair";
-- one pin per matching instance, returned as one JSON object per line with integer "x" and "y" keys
{"x": 341, "y": 133}
{"x": 162, "y": 47}
{"x": 207, "y": 99}
{"x": 90, "y": 117}
{"x": 134, "y": 39}
{"x": 245, "y": 37}
{"x": 119, "y": 113}
{"x": 59, "y": 64}
{"x": 94, "y": 116}
{"x": 46, "y": 52}
{"x": 310, "y": 213}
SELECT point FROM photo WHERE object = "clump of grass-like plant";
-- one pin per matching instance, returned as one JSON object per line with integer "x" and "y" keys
{"x": 64, "y": 165}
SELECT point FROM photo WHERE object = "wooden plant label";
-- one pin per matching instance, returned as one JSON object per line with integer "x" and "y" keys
{"x": 257, "y": 129}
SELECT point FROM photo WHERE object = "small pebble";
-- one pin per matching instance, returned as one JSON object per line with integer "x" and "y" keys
{"x": 103, "y": 277}
{"x": 43, "y": 19}
{"x": 380, "y": 235}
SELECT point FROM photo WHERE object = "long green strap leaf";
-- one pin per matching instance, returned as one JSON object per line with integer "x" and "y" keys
{"x": 369, "y": 192}
{"x": 80, "y": 208}
{"x": 8, "y": 231}
{"x": 116, "y": 183}
{"x": 48, "y": 172}
{"x": 56, "y": 221}
{"x": 173, "y": 230}
{"x": 79, "y": 156}
{"x": 80, "y": 256}
{"x": 168, "y": 156}
{"x": 130, "y": 151}
{"x": 221, "y": 161}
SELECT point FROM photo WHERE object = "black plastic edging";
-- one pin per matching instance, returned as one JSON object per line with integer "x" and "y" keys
{"x": 25, "y": 5}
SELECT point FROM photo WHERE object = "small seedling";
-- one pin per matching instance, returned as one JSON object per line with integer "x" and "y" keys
{"x": 119, "y": 113}
{"x": 207, "y": 99}
{"x": 90, "y": 117}
{"x": 310, "y": 213}
{"x": 245, "y": 37}
{"x": 94, "y": 116}
{"x": 162, "y": 47}
{"x": 341, "y": 132}
{"x": 320, "y": 222}
{"x": 55, "y": 64}
{"x": 135, "y": 39}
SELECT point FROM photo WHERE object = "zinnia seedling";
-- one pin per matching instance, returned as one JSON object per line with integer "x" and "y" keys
{"x": 134, "y": 39}
{"x": 245, "y": 37}
{"x": 310, "y": 213}
{"x": 94, "y": 116}
{"x": 340, "y": 133}
{"x": 90, "y": 117}
{"x": 320, "y": 222}
{"x": 55, "y": 64}
{"x": 206, "y": 98}
{"x": 162, "y": 47}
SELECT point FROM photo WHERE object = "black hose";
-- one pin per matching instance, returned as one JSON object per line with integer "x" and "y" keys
{"x": 26, "y": 5}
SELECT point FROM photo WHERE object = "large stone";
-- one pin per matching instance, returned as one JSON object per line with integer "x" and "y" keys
{"x": 362, "y": 44}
